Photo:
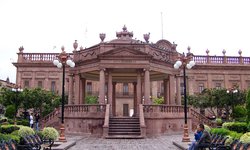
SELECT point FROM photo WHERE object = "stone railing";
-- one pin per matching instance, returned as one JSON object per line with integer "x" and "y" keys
{"x": 51, "y": 118}
{"x": 200, "y": 59}
{"x": 106, "y": 121}
{"x": 142, "y": 121}
{"x": 199, "y": 118}
{"x": 84, "y": 111}
{"x": 38, "y": 57}
{"x": 174, "y": 111}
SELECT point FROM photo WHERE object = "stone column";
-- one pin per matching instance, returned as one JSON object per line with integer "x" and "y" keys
{"x": 83, "y": 89}
{"x": 135, "y": 99}
{"x": 102, "y": 87}
{"x": 139, "y": 89}
{"x": 147, "y": 87}
{"x": 178, "y": 90}
{"x": 77, "y": 89}
{"x": 166, "y": 94}
{"x": 171, "y": 90}
{"x": 114, "y": 100}
{"x": 110, "y": 89}
{"x": 70, "y": 100}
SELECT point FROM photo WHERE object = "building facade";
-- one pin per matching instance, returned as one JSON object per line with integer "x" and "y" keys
{"x": 126, "y": 72}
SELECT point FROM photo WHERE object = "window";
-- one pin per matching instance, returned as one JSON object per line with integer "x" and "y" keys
{"x": 182, "y": 88}
{"x": 89, "y": 87}
{"x": 26, "y": 84}
{"x": 53, "y": 86}
{"x": 125, "y": 88}
{"x": 218, "y": 85}
{"x": 201, "y": 87}
{"x": 162, "y": 90}
{"x": 40, "y": 84}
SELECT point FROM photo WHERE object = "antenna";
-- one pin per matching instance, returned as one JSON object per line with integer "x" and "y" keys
{"x": 161, "y": 26}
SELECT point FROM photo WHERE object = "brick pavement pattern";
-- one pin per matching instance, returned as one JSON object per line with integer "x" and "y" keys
{"x": 164, "y": 142}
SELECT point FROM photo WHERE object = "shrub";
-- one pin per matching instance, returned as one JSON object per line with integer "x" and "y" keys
{"x": 220, "y": 131}
{"x": 245, "y": 138}
{"x": 7, "y": 129}
{"x": 240, "y": 127}
{"x": 91, "y": 99}
{"x": 239, "y": 113}
{"x": 10, "y": 111}
{"x": 6, "y": 137}
{"x": 158, "y": 101}
{"x": 218, "y": 121}
{"x": 23, "y": 122}
{"x": 25, "y": 131}
{"x": 50, "y": 133}
{"x": 235, "y": 135}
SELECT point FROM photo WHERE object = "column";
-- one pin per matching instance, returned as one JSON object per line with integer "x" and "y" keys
{"x": 70, "y": 99}
{"x": 113, "y": 100}
{"x": 77, "y": 89}
{"x": 135, "y": 99}
{"x": 171, "y": 90}
{"x": 178, "y": 90}
{"x": 166, "y": 94}
{"x": 147, "y": 87}
{"x": 139, "y": 89}
{"x": 83, "y": 89}
{"x": 110, "y": 89}
{"x": 102, "y": 87}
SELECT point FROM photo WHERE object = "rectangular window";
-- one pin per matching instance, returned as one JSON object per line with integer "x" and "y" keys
{"x": 125, "y": 88}
{"x": 218, "y": 85}
{"x": 162, "y": 90}
{"x": 40, "y": 84}
{"x": 201, "y": 87}
{"x": 182, "y": 88}
{"x": 89, "y": 88}
{"x": 26, "y": 84}
{"x": 53, "y": 86}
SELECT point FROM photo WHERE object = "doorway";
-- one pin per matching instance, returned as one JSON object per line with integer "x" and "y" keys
{"x": 125, "y": 110}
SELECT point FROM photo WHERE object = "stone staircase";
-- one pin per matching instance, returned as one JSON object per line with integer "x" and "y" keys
{"x": 124, "y": 128}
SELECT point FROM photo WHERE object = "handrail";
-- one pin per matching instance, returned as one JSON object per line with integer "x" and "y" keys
{"x": 106, "y": 120}
{"x": 201, "y": 118}
{"x": 50, "y": 116}
{"x": 142, "y": 121}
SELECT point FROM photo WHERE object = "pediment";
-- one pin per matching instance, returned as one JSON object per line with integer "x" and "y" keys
{"x": 124, "y": 52}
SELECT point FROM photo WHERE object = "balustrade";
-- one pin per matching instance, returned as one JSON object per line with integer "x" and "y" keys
{"x": 199, "y": 59}
{"x": 33, "y": 57}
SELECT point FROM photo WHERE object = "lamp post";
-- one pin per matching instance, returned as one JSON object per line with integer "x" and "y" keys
{"x": 16, "y": 89}
{"x": 232, "y": 90}
{"x": 62, "y": 60}
{"x": 183, "y": 62}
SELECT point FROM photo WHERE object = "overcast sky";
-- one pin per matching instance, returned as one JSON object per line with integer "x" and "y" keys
{"x": 39, "y": 25}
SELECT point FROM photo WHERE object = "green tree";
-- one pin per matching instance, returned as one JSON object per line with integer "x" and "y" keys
{"x": 248, "y": 105}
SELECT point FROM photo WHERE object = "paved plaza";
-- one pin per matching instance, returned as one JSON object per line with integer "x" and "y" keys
{"x": 87, "y": 142}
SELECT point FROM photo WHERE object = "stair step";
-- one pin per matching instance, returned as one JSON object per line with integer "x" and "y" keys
{"x": 119, "y": 127}
{"x": 124, "y": 137}
{"x": 124, "y": 133}
{"x": 124, "y": 130}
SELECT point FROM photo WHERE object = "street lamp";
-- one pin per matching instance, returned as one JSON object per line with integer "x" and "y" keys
{"x": 185, "y": 61}
{"x": 16, "y": 89}
{"x": 232, "y": 91}
{"x": 62, "y": 59}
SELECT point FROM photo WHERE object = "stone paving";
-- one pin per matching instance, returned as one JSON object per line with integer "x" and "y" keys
{"x": 87, "y": 142}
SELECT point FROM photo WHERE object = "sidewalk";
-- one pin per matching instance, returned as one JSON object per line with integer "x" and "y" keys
{"x": 89, "y": 142}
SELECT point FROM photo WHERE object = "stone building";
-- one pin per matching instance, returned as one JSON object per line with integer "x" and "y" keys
{"x": 127, "y": 73}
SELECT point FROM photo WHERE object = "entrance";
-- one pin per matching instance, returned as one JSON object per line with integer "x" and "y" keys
{"x": 125, "y": 110}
